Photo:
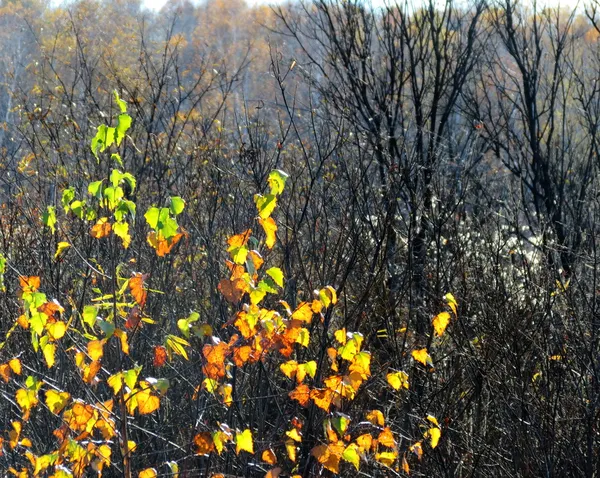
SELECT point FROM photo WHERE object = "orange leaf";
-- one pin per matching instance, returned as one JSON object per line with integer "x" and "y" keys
{"x": 274, "y": 473}
{"x": 405, "y": 467}
{"x": 241, "y": 355}
{"x": 160, "y": 356}
{"x": 136, "y": 287}
{"x": 322, "y": 398}
{"x": 29, "y": 284}
{"x": 239, "y": 240}
{"x": 269, "y": 457}
{"x": 365, "y": 442}
{"x": 101, "y": 229}
{"x": 232, "y": 290}
{"x": 5, "y": 372}
{"x": 148, "y": 473}
{"x": 204, "y": 443}
{"x": 301, "y": 394}
{"x": 376, "y": 417}
{"x": 386, "y": 438}
{"x": 89, "y": 372}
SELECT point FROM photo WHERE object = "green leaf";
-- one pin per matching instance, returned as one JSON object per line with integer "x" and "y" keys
{"x": 340, "y": 423}
{"x": 184, "y": 325}
{"x": 49, "y": 218}
{"x": 122, "y": 104}
{"x": 351, "y": 455}
{"x": 122, "y": 127}
{"x": 166, "y": 224}
{"x": 276, "y": 274}
{"x": 95, "y": 189}
{"x": 152, "y": 217}
{"x": 117, "y": 158}
{"x": 107, "y": 327}
{"x": 77, "y": 207}
{"x": 113, "y": 196}
{"x": 103, "y": 139}
{"x": 130, "y": 376}
{"x": 125, "y": 206}
{"x": 265, "y": 204}
{"x": 67, "y": 197}
{"x": 121, "y": 229}
{"x": 177, "y": 205}
{"x": 276, "y": 180}
{"x": 267, "y": 285}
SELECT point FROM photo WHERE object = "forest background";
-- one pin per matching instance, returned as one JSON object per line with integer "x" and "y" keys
{"x": 315, "y": 239}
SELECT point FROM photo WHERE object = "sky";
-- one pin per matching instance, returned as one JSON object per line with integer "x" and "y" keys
{"x": 157, "y": 4}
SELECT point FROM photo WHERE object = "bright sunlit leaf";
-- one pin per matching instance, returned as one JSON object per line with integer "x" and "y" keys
{"x": 269, "y": 457}
{"x": 270, "y": 228}
{"x": 148, "y": 473}
{"x": 440, "y": 322}
{"x": 351, "y": 455}
{"x": 422, "y": 356}
{"x": 398, "y": 380}
{"x": 56, "y": 401}
{"x": 243, "y": 442}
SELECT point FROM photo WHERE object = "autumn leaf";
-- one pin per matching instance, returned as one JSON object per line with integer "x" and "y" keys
{"x": 329, "y": 455}
{"x": 29, "y": 284}
{"x": 147, "y": 473}
{"x": 233, "y": 290}
{"x": 405, "y": 467}
{"x": 387, "y": 458}
{"x": 147, "y": 403}
{"x": 95, "y": 349}
{"x": 351, "y": 455}
{"x": 204, "y": 443}
{"x": 303, "y": 313}
{"x": 398, "y": 380}
{"x": 301, "y": 394}
{"x": 422, "y": 356}
{"x": 376, "y": 417}
{"x": 291, "y": 450}
{"x": 440, "y": 322}
{"x": 270, "y": 228}
{"x": 365, "y": 442}
{"x": 386, "y": 438}
{"x": 451, "y": 301}
{"x": 434, "y": 434}
{"x": 101, "y": 229}
{"x": 56, "y": 401}
{"x": 243, "y": 442}
{"x": 136, "y": 287}
{"x": 269, "y": 457}
{"x": 160, "y": 356}
{"x": 274, "y": 473}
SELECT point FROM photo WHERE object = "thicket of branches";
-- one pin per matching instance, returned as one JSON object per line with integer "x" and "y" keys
{"x": 431, "y": 149}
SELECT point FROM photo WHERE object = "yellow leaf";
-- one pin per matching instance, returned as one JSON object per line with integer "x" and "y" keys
{"x": 122, "y": 335}
{"x": 289, "y": 369}
{"x": 294, "y": 435}
{"x": 115, "y": 382}
{"x": 451, "y": 301}
{"x": 56, "y": 330}
{"x": 243, "y": 441}
{"x": 422, "y": 356}
{"x": 434, "y": 435}
{"x": 364, "y": 442}
{"x": 386, "y": 458}
{"x": 147, "y": 403}
{"x": 270, "y": 228}
{"x": 15, "y": 366}
{"x": 148, "y": 473}
{"x": 14, "y": 434}
{"x": 290, "y": 448}
{"x": 440, "y": 322}
{"x": 27, "y": 399}
{"x": 60, "y": 248}
{"x": 376, "y": 417}
{"x": 340, "y": 336}
{"x": 433, "y": 420}
{"x": 56, "y": 401}
{"x": 398, "y": 380}
{"x": 351, "y": 455}
{"x": 95, "y": 349}
{"x": 269, "y": 457}
{"x": 49, "y": 351}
